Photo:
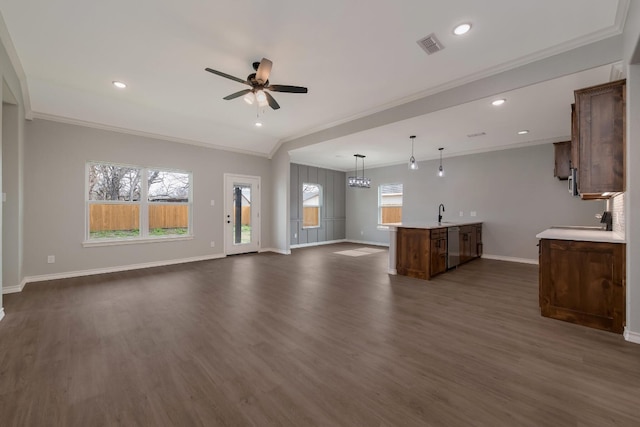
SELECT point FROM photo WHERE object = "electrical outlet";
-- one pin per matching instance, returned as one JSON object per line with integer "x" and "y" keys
{"x": 461, "y": 213}
{"x": 51, "y": 259}
{"x": 295, "y": 235}
{"x": 4, "y": 197}
{"x": 361, "y": 233}
{"x": 213, "y": 203}
{"x": 213, "y": 244}
{"x": 473, "y": 213}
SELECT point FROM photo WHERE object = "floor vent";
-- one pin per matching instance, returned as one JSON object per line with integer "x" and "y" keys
{"x": 430, "y": 44}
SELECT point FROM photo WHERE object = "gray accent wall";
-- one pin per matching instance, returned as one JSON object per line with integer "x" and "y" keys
{"x": 55, "y": 158}
{"x": 512, "y": 191}
{"x": 332, "y": 212}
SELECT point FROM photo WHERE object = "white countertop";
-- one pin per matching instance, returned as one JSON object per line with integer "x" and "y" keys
{"x": 581, "y": 235}
{"x": 431, "y": 225}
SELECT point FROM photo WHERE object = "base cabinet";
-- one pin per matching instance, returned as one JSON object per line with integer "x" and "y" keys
{"x": 439, "y": 251}
{"x": 583, "y": 283}
{"x": 423, "y": 252}
{"x": 413, "y": 252}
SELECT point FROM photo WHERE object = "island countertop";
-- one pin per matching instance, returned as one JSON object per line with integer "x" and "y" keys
{"x": 431, "y": 225}
{"x": 581, "y": 235}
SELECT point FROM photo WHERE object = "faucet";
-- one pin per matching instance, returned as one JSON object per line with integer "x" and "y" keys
{"x": 440, "y": 213}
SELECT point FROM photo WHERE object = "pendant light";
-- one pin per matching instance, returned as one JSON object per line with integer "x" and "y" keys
{"x": 413, "y": 165}
{"x": 440, "y": 169}
{"x": 359, "y": 181}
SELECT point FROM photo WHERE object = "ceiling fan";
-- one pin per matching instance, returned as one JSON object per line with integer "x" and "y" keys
{"x": 259, "y": 82}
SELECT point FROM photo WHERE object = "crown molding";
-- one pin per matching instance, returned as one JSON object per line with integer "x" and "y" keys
{"x": 101, "y": 126}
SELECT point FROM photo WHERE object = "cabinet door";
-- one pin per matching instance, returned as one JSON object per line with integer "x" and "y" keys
{"x": 473, "y": 244}
{"x": 479, "y": 246}
{"x": 562, "y": 156}
{"x": 412, "y": 252}
{"x": 438, "y": 251}
{"x": 465, "y": 243}
{"x": 600, "y": 111}
{"x": 583, "y": 282}
{"x": 575, "y": 148}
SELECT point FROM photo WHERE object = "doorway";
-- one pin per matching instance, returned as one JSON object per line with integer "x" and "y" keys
{"x": 241, "y": 214}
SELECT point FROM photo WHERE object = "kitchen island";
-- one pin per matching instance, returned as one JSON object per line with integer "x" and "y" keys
{"x": 425, "y": 249}
{"x": 582, "y": 273}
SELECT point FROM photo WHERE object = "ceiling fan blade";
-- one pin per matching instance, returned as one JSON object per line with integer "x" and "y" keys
{"x": 272, "y": 102}
{"x": 264, "y": 69}
{"x": 227, "y": 76}
{"x": 290, "y": 89}
{"x": 237, "y": 94}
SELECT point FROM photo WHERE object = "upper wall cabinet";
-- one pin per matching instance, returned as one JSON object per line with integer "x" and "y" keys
{"x": 600, "y": 143}
{"x": 562, "y": 154}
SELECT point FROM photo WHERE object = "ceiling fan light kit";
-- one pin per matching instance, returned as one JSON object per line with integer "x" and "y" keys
{"x": 260, "y": 87}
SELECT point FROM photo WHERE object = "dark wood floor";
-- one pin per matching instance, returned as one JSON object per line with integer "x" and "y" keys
{"x": 314, "y": 338}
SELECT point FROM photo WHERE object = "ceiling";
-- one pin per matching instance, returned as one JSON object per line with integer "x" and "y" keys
{"x": 354, "y": 58}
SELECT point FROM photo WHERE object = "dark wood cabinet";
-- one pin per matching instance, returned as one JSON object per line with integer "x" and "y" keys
{"x": 423, "y": 253}
{"x": 599, "y": 149}
{"x": 468, "y": 243}
{"x": 412, "y": 252}
{"x": 438, "y": 251}
{"x": 583, "y": 283}
{"x": 562, "y": 155}
{"x": 575, "y": 149}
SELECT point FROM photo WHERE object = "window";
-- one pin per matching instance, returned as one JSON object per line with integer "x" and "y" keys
{"x": 311, "y": 203}
{"x": 130, "y": 202}
{"x": 389, "y": 203}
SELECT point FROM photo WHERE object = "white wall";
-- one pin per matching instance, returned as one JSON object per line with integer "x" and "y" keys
{"x": 512, "y": 191}
{"x": 55, "y": 158}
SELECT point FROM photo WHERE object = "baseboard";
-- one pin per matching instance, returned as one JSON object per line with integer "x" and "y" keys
{"x": 633, "y": 337}
{"x": 327, "y": 242}
{"x": 278, "y": 251}
{"x": 511, "y": 259}
{"x": 364, "y": 242}
{"x": 1, "y": 312}
{"x": 14, "y": 289}
{"x": 70, "y": 274}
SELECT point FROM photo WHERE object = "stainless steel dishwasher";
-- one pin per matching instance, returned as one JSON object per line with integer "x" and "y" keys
{"x": 453, "y": 243}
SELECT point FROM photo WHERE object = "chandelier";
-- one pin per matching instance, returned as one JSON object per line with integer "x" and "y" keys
{"x": 359, "y": 181}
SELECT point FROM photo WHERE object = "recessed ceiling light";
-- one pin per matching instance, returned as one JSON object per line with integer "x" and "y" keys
{"x": 498, "y": 102}
{"x": 461, "y": 29}
{"x": 523, "y": 132}
{"x": 119, "y": 85}
{"x": 259, "y": 124}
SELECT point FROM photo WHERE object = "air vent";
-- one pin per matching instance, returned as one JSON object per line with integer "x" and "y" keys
{"x": 430, "y": 44}
{"x": 473, "y": 135}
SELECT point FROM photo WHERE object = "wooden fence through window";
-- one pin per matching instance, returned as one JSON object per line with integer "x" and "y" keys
{"x": 110, "y": 217}
{"x": 391, "y": 214}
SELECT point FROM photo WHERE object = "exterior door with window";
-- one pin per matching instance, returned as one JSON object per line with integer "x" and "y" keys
{"x": 241, "y": 214}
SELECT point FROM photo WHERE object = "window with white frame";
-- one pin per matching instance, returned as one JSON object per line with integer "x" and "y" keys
{"x": 311, "y": 204}
{"x": 389, "y": 203}
{"x": 129, "y": 202}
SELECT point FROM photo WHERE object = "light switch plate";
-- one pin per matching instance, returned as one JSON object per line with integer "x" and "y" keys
{"x": 473, "y": 213}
